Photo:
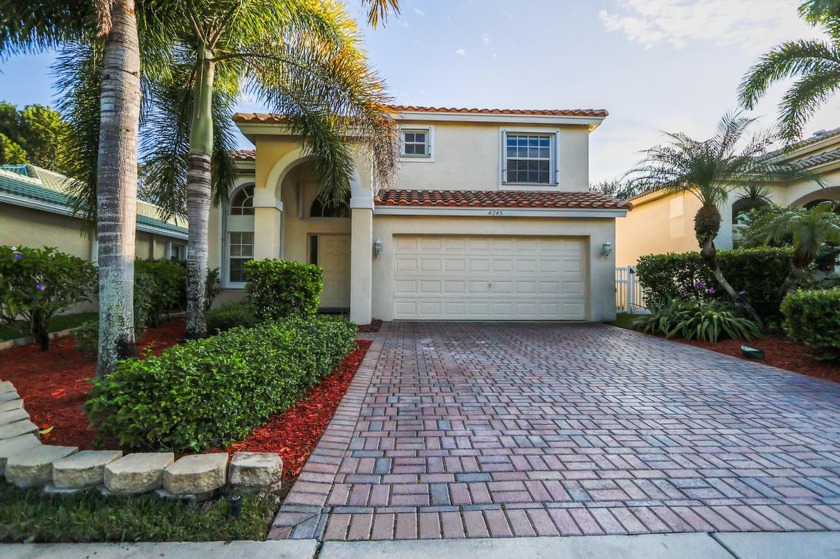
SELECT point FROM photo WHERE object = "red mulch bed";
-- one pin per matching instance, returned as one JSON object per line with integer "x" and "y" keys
{"x": 54, "y": 385}
{"x": 294, "y": 433}
{"x": 374, "y": 326}
{"x": 783, "y": 353}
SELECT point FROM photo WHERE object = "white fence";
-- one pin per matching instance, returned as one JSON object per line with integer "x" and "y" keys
{"x": 629, "y": 297}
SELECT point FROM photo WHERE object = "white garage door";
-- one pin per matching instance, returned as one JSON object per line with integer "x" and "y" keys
{"x": 489, "y": 278}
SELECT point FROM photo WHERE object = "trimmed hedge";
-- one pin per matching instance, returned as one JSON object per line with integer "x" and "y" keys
{"x": 813, "y": 318}
{"x": 169, "y": 280}
{"x": 208, "y": 393}
{"x": 758, "y": 272}
{"x": 231, "y": 315}
{"x": 280, "y": 288}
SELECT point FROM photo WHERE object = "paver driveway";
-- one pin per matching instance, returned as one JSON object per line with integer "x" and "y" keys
{"x": 473, "y": 430}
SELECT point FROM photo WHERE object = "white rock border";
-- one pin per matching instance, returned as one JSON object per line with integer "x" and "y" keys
{"x": 191, "y": 477}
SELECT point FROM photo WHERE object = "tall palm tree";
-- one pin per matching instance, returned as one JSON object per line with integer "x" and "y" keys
{"x": 710, "y": 169}
{"x": 300, "y": 58}
{"x": 808, "y": 229}
{"x": 36, "y": 25}
{"x": 815, "y": 64}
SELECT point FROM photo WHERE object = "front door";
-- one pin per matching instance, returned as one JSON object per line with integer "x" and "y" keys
{"x": 332, "y": 253}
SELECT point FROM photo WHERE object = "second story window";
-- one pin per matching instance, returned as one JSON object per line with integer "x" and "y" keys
{"x": 529, "y": 158}
{"x": 415, "y": 142}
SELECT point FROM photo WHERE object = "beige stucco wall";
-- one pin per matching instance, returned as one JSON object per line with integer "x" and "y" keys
{"x": 665, "y": 223}
{"x": 467, "y": 156}
{"x": 600, "y": 271}
{"x": 35, "y": 229}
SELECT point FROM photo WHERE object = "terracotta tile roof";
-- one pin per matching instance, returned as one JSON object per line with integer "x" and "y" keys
{"x": 820, "y": 159}
{"x": 535, "y": 112}
{"x": 244, "y": 154}
{"x": 498, "y": 199}
{"x": 275, "y": 118}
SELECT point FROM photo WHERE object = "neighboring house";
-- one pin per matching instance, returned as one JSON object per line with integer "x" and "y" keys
{"x": 489, "y": 218}
{"x": 35, "y": 212}
{"x": 661, "y": 221}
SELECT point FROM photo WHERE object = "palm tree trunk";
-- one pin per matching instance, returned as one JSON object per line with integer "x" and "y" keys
{"x": 116, "y": 187}
{"x": 792, "y": 279}
{"x": 198, "y": 196}
{"x": 708, "y": 253}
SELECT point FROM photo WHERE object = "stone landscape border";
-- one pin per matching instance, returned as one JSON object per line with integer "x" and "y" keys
{"x": 26, "y": 462}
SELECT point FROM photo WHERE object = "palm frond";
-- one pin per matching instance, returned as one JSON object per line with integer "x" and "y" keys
{"x": 31, "y": 26}
{"x": 378, "y": 10}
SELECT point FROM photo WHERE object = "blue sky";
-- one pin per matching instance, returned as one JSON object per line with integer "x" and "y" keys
{"x": 656, "y": 65}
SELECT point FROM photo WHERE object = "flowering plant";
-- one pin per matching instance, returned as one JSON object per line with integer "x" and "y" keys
{"x": 37, "y": 283}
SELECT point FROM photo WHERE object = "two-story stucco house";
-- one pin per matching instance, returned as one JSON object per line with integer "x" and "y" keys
{"x": 489, "y": 218}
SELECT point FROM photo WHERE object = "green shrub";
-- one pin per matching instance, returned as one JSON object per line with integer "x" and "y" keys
{"x": 38, "y": 283}
{"x": 169, "y": 279}
{"x": 693, "y": 319}
{"x": 231, "y": 315}
{"x": 757, "y": 273}
{"x": 210, "y": 392}
{"x": 279, "y": 288}
{"x": 87, "y": 335}
{"x": 813, "y": 318}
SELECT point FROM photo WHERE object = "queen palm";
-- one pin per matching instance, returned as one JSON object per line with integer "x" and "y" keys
{"x": 301, "y": 59}
{"x": 813, "y": 63}
{"x": 710, "y": 169}
{"x": 807, "y": 229}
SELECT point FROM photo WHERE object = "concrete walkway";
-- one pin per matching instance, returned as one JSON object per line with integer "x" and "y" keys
{"x": 813, "y": 545}
{"x": 500, "y": 430}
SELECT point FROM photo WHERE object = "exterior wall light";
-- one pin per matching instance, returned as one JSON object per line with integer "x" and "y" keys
{"x": 606, "y": 249}
{"x": 377, "y": 247}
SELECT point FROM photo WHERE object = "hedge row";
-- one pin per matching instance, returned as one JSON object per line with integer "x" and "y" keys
{"x": 279, "y": 288}
{"x": 757, "y": 272}
{"x": 813, "y": 318}
{"x": 208, "y": 393}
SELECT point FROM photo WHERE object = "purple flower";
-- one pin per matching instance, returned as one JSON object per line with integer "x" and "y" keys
{"x": 700, "y": 285}
{"x": 742, "y": 292}
{"x": 40, "y": 287}
{"x": 18, "y": 256}
{"x": 710, "y": 290}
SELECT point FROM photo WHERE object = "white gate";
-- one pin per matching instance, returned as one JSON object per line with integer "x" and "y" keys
{"x": 629, "y": 297}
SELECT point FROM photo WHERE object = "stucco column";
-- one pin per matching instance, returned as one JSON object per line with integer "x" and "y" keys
{"x": 361, "y": 256}
{"x": 268, "y": 224}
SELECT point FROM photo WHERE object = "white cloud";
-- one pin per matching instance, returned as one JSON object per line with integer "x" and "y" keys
{"x": 485, "y": 38}
{"x": 460, "y": 52}
{"x": 753, "y": 26}
{"x": 419, "y": 12}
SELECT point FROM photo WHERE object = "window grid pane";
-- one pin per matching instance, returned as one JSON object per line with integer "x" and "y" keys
{"x": 243, "y": 202}
{"x": 528, "y": 158}
{"x": 415, "y": 142}
{"x": 241, "y": 250}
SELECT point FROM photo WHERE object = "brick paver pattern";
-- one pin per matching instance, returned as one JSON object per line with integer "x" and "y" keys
{"x": 497, "y": 430}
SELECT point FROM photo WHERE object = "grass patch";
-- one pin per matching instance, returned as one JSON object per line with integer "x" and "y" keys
{"x": 624, "y": 320}
{"x": 27, "y": 515}
{"x": 58, "y": 323}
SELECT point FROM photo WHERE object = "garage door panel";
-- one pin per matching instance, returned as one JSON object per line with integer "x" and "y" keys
{"x": 489, "y": 278}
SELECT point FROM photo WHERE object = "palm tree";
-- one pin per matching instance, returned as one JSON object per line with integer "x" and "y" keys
{"x": 710, "y": 169}
{"x": 815, "y": 64}
{"x": 300, "y": 58}
{"x": 808, "y": 229}
{"x": 33, "y": 26}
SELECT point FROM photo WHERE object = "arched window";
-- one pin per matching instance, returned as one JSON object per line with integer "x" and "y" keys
{"x": 242, "y": 202}
{"x": 321, "y": 209}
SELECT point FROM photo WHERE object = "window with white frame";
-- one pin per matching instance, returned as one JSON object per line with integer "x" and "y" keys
{"x": 240, "y": 250}
{"x": 177, "y": 252}
{"x": 529, "y": 158}
{"x": 416, "y": 142}
{"x": 242, "y": 202}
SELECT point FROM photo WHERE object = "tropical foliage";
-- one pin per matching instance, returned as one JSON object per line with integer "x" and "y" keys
{"x": 692, "y": 319}
{"x": 38, "y": 283}
{"x": 711, "y": 169}
{"x": 35, "y": 134}
{"x": 814, "y": 64}
{"x": 280, "y": 288}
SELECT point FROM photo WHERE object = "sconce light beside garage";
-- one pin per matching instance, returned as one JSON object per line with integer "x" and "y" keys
{"x": 606, "y": 249}
{"x": 377, "y": 247}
